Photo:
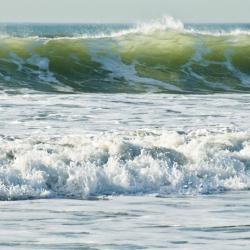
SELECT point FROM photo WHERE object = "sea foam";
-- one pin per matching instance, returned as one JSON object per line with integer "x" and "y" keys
{"x": 139, "y": 162}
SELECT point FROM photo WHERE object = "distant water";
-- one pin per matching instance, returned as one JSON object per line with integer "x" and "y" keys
{"x": 136, "y": 136}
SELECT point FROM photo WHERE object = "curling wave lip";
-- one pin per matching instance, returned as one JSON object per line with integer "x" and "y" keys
{"x": 162, "y": 56}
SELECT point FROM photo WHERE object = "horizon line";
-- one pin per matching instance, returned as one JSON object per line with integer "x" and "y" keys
{"x": 125, "y": 23}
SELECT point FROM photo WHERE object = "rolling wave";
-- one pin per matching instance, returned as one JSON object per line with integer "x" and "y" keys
{"x": 162, "y": 56}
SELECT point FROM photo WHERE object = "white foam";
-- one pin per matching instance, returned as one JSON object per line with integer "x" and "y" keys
{"x": 232, "y": 32}
{"x": 162, "y": 24}
{"x": 133, "y": 163}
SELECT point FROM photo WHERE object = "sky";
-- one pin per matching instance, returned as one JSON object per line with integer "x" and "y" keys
{"x": 90, "y": 11}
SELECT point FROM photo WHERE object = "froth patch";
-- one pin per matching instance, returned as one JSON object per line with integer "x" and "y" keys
{"x": 135, "y": 163}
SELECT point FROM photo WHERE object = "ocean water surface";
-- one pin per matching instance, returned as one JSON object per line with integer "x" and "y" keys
{"x": 124, "y": 136}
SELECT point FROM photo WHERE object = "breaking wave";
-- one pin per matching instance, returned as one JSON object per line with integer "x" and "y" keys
{"x": 140, "y": 162}
{"x": 163, "y": 56}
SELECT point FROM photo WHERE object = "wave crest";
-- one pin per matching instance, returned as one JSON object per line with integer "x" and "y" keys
{"x": 160, "y": 56}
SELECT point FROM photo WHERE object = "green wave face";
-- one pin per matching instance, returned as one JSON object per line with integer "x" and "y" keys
{"x": 193, "y": 63}
{"x": 162, "y": 61}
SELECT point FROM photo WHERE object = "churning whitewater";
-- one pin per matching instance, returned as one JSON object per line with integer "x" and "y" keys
{"x": 80, "y": 146}
{"x": 133, "y": 163}
{"x": 163, "y": 56}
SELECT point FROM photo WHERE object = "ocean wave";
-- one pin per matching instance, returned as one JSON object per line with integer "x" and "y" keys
{"x": 131, "y": 163}
{"x": 160, "y": 56}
